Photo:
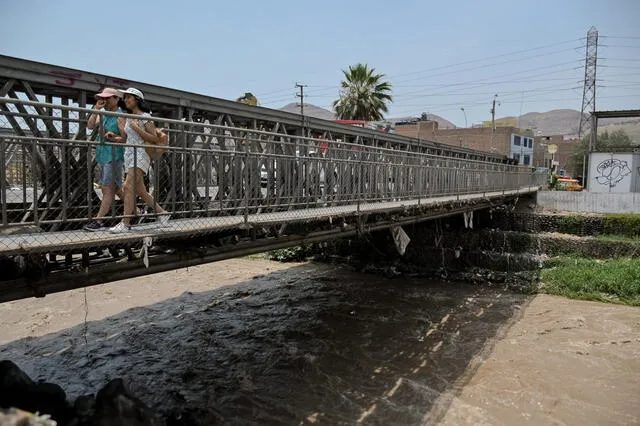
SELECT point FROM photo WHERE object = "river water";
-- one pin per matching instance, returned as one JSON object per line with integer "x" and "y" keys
{"x": 311, "y": 344}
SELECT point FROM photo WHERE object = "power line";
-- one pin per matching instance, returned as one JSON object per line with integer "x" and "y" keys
{"x": 486, "y": 80}
{"x": 619, "y": 45}
{"x": 491, "y": 82}
{"x": 556, "y": 87}
{"x": 418, "y": 93}
{"x": 508, "y": 61}
{"x": 274, "y": 91}
{"x": 489, "y": 57}
{"x": 511, "y": 60}
{"x": 455, "y": 106}
{"x": 514, "y": 95}
{"x": 327, "y": 89}
{"x": 623, "y": 67}
{"x": 319, "y": 91}
{"x": 284, "y": 90}
{"x": 621, "y": 37}
{"x": 621, "y": 59}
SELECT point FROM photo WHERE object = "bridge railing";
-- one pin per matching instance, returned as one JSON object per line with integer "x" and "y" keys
{"x": 214, "y": 176}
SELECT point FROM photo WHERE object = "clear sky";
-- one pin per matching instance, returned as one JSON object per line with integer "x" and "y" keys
{"x": 439, "y": 56}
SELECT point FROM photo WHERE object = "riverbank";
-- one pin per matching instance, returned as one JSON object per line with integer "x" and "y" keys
{"x": 594, "y": 257}
{"x": 562, "y": 362}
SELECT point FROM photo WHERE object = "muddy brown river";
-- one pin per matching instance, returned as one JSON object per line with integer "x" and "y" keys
{"x": 253, "y": 342}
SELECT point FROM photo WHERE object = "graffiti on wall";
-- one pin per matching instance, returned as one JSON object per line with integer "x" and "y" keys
{"x": 612, "y": 171}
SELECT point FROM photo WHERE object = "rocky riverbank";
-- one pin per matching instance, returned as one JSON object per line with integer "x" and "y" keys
{"x": 113, "y": 405}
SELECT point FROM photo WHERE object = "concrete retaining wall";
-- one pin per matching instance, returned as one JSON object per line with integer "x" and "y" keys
{"x": 590, "y": 202}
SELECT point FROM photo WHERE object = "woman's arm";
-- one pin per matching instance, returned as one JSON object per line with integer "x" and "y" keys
{"x": 147, "y": 133}
{"x": 94, "y": 119}
{"x": 112, "y": 137}
{"x": 122, "y": 138}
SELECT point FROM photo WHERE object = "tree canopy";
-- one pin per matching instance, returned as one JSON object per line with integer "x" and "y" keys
{"x": 617, "y": 140}
{"x": 363, "y": 95}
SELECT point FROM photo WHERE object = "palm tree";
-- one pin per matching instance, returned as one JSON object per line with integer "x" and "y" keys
{"x": 363, "y": 95}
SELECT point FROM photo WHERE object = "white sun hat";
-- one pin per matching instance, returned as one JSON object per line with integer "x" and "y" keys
{"x": 133, "y": 91}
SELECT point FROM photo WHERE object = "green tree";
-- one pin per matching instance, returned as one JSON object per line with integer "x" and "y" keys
{"x": 617, "y": 140}
{"x": 363, "y": 95}
{"x": 248, "y": 99}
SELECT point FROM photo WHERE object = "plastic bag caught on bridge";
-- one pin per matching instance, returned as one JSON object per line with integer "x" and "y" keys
{"x": 400, "y": 238}
{"x": 144, "y": 252}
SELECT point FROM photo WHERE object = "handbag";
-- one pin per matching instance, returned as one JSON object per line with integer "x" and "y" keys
{"x": 155, "y": 151}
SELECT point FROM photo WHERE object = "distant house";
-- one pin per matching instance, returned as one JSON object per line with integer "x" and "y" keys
{"x": 512, "y": 142}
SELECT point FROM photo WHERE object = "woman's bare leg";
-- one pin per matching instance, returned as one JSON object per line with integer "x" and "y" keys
{"x": 129, "y": 193}
{"x": 141, "y": 191}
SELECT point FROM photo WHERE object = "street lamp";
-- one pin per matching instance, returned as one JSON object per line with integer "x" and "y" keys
{"x": 465, "y": 117}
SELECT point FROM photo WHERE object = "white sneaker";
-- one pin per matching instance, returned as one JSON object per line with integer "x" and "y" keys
{"x": 120, "y": 228}
{"x": 163, "y": 220}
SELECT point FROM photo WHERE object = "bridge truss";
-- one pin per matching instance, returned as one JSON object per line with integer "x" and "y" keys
{"x": 237, "y": 179}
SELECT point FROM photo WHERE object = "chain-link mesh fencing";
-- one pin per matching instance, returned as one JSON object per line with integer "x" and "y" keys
{"x": 210, "y": 178}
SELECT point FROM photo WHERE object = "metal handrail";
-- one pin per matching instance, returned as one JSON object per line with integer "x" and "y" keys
{"x": 260, "y": 172}
{"x": 184, "y": 123}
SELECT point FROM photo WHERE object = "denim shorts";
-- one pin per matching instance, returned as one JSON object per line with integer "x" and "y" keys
{"x": 108, "y": 170}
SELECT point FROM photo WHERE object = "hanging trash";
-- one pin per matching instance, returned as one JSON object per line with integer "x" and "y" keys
{"x": 400, "y": 238}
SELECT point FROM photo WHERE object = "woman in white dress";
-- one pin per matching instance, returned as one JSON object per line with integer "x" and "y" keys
{"x": 136, "y": 159}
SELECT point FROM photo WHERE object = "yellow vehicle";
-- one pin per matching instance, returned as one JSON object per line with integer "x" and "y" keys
{"x": 568, "y": 184}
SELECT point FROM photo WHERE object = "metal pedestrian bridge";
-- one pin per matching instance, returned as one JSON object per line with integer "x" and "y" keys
{"x": 237, "y": 179}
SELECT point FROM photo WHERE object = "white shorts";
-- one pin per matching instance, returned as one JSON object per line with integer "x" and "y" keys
{"x": 140, "y": 160}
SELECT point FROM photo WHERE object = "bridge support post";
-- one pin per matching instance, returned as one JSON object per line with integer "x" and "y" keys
{"x": 3, "y": 183}
{"x": 359, "y": 185}
{"x": 246, "y": 184}
{"x": 504, "y": 175}
{"x": 34, "y": 168}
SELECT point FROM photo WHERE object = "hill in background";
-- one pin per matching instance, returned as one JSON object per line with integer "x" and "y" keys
{"x": 555, "y": 122}
{"x": 566, "y": 122}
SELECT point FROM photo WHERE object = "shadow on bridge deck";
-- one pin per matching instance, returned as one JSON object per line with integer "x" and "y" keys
{"x": 313, "y": 343}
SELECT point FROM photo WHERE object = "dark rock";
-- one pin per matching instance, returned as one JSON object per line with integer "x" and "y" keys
{"x": 49, "y": 398}
{"x": 19, "y": 391}
{"x": 11, "y": 268}
{"x": 183, "y": 418}
{"x": 85, "y": 408}
{"x": 116, "y": 406}
{"x": 11, "y": 377}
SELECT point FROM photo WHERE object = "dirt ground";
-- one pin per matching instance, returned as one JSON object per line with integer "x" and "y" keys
{"x": 557, "y": 361}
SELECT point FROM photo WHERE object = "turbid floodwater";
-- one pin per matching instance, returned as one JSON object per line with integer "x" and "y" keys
{"x": 255, "y": 342}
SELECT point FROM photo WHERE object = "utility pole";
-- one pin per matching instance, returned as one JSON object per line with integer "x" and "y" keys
{"x": 301, "y": 96}
{"x": 587, "y": 114}
{"x": 493, "y": 119}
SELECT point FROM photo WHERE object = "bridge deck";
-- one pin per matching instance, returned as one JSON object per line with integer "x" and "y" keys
{"x": 69, "y": 240}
